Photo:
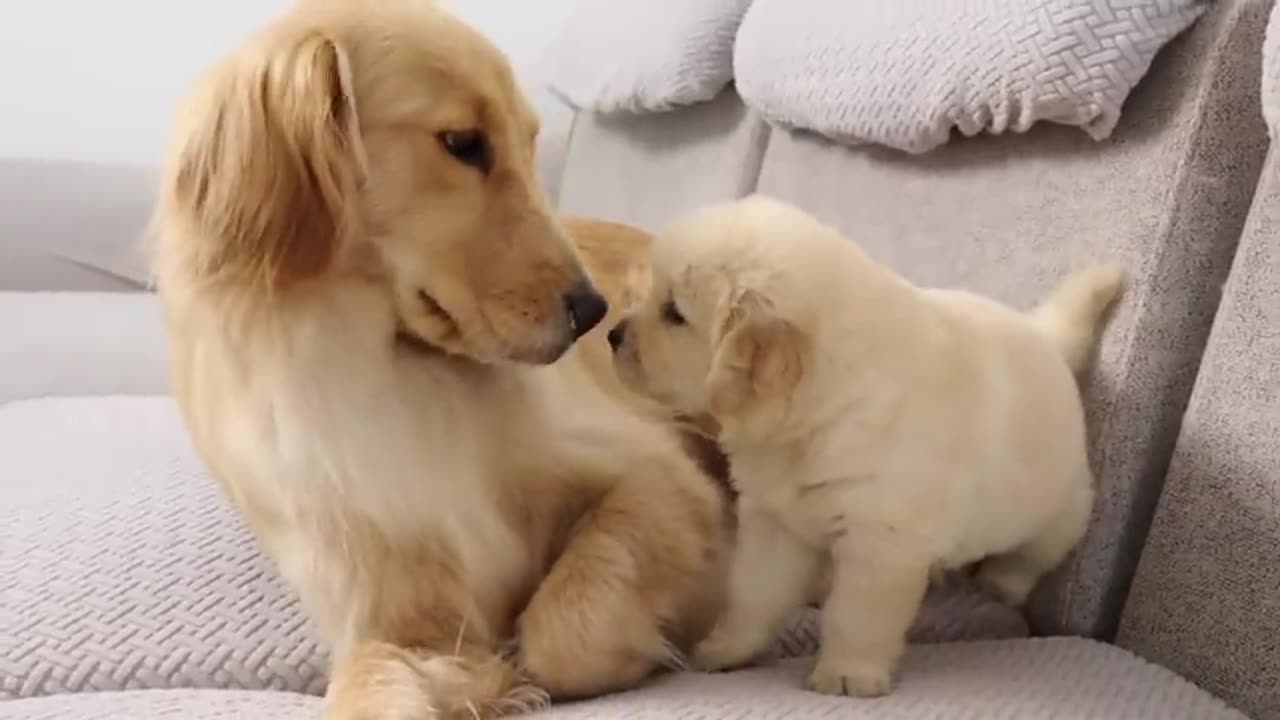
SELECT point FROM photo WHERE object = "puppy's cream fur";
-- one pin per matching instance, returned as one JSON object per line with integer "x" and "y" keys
{"x": 876, "y": 431}
{"x": 361, "y": 277}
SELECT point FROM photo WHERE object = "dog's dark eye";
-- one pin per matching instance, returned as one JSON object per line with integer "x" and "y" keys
{"x": 469, "y": 147}
{"x": 671, "y": 314}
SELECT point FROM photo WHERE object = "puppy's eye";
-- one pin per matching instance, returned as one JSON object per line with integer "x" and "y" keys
{"x": 469, "y": 147}
{"x": 671, "y": 314}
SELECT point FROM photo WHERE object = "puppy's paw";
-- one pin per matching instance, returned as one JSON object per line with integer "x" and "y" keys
{"x": 724, "y": 650}
{"x": 851, "y": 679}
{"x": 1005, "y": 581}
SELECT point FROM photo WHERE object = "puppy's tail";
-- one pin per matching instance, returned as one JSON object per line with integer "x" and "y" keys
{"x": 1075, "y": 314}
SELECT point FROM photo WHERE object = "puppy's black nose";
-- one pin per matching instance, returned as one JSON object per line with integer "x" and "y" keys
{"x": 616, "y": 335}
{"x": 586, "y": 307}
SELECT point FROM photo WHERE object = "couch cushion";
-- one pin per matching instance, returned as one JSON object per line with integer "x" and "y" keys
{"x": 122, "y": 567}
{"x": 1025, "y": 679}
{"x": 648, "y": 169}
{"x": 72, "y": 226}
{"x": 1206, "y": 598}
{"x": 166, "y": 705}
{"x": 1008, "y": 216}
{"x": 81, "y": 344}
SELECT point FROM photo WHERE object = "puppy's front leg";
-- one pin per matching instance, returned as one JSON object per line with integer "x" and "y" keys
{"x": 875, "y": 594}
{"x": 771, "y": 575}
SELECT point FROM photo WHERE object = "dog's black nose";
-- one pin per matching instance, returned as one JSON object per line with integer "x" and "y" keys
{"x": 616, "y": 334}
{"x": 586, "y": 308}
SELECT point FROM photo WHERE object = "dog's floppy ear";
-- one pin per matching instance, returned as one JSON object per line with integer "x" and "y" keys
{"x": 269, "y": 161}
{"x": 758, "y": 355}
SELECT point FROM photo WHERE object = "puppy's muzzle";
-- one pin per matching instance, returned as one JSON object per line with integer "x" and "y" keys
{"x": 586, "y": 308}
{"x": 617, "y": 335}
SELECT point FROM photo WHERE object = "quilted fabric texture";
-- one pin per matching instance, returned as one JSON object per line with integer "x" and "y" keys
{"x": 617, "y": 56}
{"x": 905, "y": 73}
{"x": 167, "y": 705}
{"x": 121, "y": 567}
{"x": 1050, "y": 679}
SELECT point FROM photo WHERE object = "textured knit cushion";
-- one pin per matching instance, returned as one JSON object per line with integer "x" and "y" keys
{"x": 122, "y": 567}
{"x": 1023, "y": 679}
{"x": 626, "y": 56}
{"x": 166, "y": 705}
{"x": 904, "y": 73}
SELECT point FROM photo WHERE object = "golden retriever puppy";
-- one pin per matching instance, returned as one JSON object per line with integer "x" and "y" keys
{"x": 373, "y": 315}
{"x": 877, "y": 432}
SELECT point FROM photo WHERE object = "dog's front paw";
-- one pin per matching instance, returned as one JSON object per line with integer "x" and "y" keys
{"x": 852, "y": 679}
{"x": 587, "y": 639}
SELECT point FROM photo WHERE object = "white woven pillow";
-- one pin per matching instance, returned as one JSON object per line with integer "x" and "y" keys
{"x": 623, "y": 56}
{"x": 905, "y": 73}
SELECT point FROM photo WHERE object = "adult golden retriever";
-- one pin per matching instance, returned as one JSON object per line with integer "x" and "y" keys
{"x": 373, "y": 314}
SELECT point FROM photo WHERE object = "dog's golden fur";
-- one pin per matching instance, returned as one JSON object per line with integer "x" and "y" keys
{"x": 366, "y": 289}
{"x": 877, "y": 432}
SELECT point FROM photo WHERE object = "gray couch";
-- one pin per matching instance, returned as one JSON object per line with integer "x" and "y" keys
{"x": 128, "y": 588}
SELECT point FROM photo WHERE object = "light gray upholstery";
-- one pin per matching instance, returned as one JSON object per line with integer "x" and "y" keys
{"x": 129, "y": 588}
{"x": 167, "y": 705}
{"x": 123, "y": 567}
{"x": 80, "y": 343}
{"x": 648, "y": 169}
{"x": 1024, "y": 679}
{"x": 1009, "y": 215}
{"x": 72, "y": 226}
{"x": 1206, "y": 598}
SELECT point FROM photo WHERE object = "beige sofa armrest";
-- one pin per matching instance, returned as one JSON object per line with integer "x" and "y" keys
{"x": 72, "y": 225}
{"x": 81, "y": 343}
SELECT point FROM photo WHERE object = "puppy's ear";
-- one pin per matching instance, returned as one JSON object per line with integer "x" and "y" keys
{"x": 269, "y": 161}
{"x": 758, "y": 356}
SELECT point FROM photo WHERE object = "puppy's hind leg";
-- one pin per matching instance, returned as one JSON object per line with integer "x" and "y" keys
{"x": 1013, "y": 575}
{"x": 638, "y": 579}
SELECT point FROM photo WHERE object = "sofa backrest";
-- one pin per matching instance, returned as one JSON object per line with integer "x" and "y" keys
{"x": 1007, "y": 216}
{"x": 1206, "y": 596}
{"x": 72, "y": 225}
